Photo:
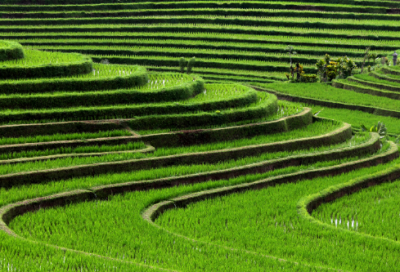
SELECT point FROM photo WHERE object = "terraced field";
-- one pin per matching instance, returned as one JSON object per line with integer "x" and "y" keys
{"x": 232, "y": 40}
{"x": 129, "y": 165}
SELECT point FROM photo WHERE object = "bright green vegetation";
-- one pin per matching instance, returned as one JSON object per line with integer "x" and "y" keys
{"x": 14, "y": 194}
{"x": 98, "y": 104}
{"x": 315, "y": 129}
{"x": 64, "y": 137}
{"x": 73, "y": 221}
{"x": 37, "y": 58}
{"x": 355, "y": 118}
{"x": 396, "y": 68}
{"x": 375, "y": 80}
{"x": 274, "y": 211}
{"x": 373, "y": 211}
{"x": 227, "y": 35}
{"x": 377, "y": 90}
{"x": 284, "y": 109}
{"x": 101, "y": 128}
{"x": 77, "y": 150}
{"x": 99, "y": 71}
{"x": 325, "y": 92}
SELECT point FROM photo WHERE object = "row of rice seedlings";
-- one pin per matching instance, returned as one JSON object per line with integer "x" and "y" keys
{"x": 36, "y": 58}
{"x": 260, "y": 220}
{"x": 140, "y": 109}
{"x": 152, "y": 246}
{"x": 99, "y": 70}
{"x": 73, "y": 150}
{"x": 194, "y": 35}
{"x": 361, "y": 85}
{"x": 234, "y": 79}
{"x": 315, "y": 129}
{"x": 326, "y": 92}
{"x": 140, "y": 145}
{"x": 252, "y": 12}
{"x": 148, "y": 56}
{"x": 87, "y": 5}
{"x": 164, "y": 80}
{"x": 396, "y": 68}
{"x": 10, "y": 246}
{"x": 35, "y": 190}
{"x": 22, "y": 255}
{"x": 355, "y": 118}
{"x": 264, "y": 10}
{"x": 214, "y": 52}
{"x": 328, "y": 22}
{"x": 387, "y": 75}
{"x": 373, "y": 211}
{"x": 204, "y": 71}
{"x": 222, "y": 92}
{"x": 202, "y": 62}
{"x": 155, "y": 82}
{"x": 63, "y": 137}
{"x": 108, "y": 111}
{"x": 201, "y": 27}
{"x": 216, "y": 92}
{"x": 376, "y": 80}
{"x": 195, "y": 5}
{"x": 284, "y": 109}
{"x": 306, "y": 59}
{"x": 167, "y": 43}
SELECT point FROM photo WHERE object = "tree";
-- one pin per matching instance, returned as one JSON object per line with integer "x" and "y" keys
{"x": 291, "y": 52}
{"x": 182, "y": 64}
{"x": 190, "y": 65}
{"x": 365, "y": 57}
{"x": 372, "y": 56}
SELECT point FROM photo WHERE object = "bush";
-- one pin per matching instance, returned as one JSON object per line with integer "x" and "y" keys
{"x": 308, "y": 78}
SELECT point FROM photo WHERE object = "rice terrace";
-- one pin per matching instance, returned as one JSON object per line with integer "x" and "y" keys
{"x": 220, "y": 136}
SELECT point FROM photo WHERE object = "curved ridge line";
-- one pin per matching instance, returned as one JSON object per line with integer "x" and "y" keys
{"x": 270, "y": 104}
{"x": 260, "y": 167}
{"x": 307, "y": 204}
{"x": 98, "y": 190}
{"x": 8, "y": 209}
{"x": 155, "y": 210}
{"x": 148, "y": 149}
{"x": 386, "y": 88}
{"x": 383, "y": 77}
{"x": 99, "y": 168}
{"x": 372, "y": 110}
{"x": 37, "y": 201}
{"x": 393, "y": 152}
{"x": 365, "y": 89}
{"x": 121, "y": 139}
